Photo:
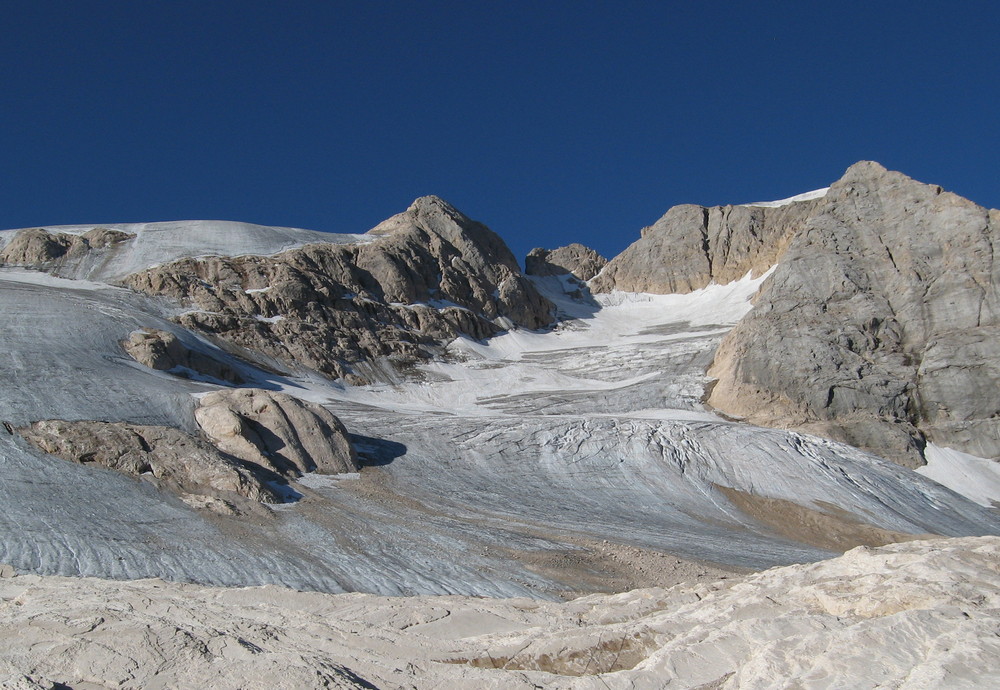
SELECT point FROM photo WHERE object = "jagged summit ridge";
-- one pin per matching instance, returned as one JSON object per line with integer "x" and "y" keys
{"x": 355, "y": 307}
{"x": 693, "y": 246}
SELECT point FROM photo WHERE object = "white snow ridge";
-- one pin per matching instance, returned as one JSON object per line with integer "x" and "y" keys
{"x": 805, "y": 196}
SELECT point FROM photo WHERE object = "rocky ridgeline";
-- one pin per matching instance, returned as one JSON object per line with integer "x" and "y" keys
{"x": 429, "y": 275}
{"x": 879, "y": 326}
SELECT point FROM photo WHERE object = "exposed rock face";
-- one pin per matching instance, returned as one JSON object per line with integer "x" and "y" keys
{"x": 916, "y": 615}
{"x": 880, "y": 325}
{"x": 583, "y": 262}
{"x": 164, "y": 351}
{"x": 692, "y": 246}
{"x": 430, "y": 274}
{"x": 276, "y": 431}
{"x": 182, "y": 462}
{"x": 37, "y": 248}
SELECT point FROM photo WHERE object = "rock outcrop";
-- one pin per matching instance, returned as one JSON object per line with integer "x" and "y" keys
{"x": 276, "y": 431}
{"x": 38, "y": 248}
{"x": 880, "y": 324}
{"x": 427, "y": 275}
{"x": 164, "y": 351}
{"x": 580, "y": 261}
{"x": 181, "y": 462}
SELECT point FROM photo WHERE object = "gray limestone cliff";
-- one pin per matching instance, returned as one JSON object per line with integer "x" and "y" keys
{"x": 423, "y": 277}
{"x": 692, "y": 246}
{"x": 880, "y": 324}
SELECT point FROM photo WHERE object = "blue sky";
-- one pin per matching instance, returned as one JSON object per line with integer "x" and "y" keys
{"x": 551, "y": 122}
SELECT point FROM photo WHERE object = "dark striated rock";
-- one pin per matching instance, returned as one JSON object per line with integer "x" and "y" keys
{"x": 428, "y": 275}
{"x": 580, "y": 261}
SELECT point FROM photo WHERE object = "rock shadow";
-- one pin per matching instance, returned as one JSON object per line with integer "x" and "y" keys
{"x": 376, "y": 452}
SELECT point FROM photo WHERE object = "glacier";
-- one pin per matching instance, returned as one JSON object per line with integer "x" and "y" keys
{"x": 527, "y": 449}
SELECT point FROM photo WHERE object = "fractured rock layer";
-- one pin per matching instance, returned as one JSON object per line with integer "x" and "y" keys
{"x": 922, "y": 614}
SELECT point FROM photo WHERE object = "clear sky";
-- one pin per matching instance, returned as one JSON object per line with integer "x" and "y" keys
{"x": 550, "y": 121}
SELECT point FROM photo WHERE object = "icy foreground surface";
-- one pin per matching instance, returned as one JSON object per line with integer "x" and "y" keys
{"x": 502, "y": 472}
{"x": 916, "y": 615}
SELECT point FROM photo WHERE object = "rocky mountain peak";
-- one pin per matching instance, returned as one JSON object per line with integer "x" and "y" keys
{"x": 434, "y": 204}
{"x": 866, "y": 170}
{"x": 869, "y": 177}
{"x": 427, "y": 275}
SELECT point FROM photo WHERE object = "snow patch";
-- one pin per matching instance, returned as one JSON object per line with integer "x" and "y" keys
{"x": 976, "y": 478}
{"x": 807, "y": 196}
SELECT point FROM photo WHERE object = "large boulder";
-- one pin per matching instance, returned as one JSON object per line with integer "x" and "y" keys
{"x": 164, "y": 351}
{"x": 276, "y": 431}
